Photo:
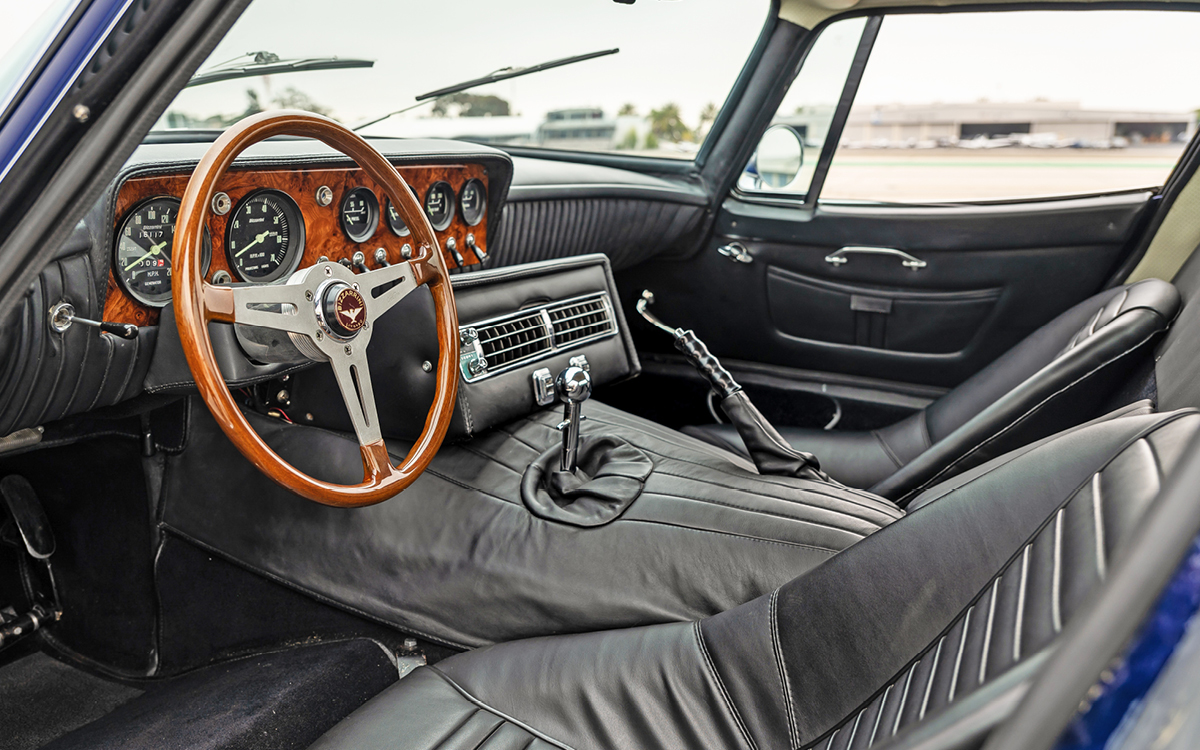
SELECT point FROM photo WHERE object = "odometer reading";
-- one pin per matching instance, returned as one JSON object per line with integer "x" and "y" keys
{"x": 265, "y": 237}
{"x": 439, "y": 205}
{"x": 142, "y": 261}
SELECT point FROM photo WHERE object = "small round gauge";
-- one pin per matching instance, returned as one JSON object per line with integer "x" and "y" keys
{"x": 439, "y": 205}
{"x": 394, "y": 222}
{"x": 472, "y": 201}
{"x": 265, "y": 236}
{"x": 142, "y": 257}
{"x": 360, "y": 214}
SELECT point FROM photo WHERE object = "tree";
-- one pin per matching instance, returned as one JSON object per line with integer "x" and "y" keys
{"x": 627, "y": 110}
{"x": 707, "y": 115}
{"x": 629, "y": 141}
{"x": 472, "y": 105}
{"x": 292, "y": 98}
{"x": 651, "y": 141}
{"x": 667, "y": 124}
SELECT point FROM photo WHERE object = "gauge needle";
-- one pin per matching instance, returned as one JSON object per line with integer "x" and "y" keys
{"x": 152, "y": 251}
{"x": 259, "y": 238}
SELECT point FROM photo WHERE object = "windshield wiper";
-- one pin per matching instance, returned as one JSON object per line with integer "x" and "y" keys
{"x": 503, "y": 74}
{"x": 268, "y": 63}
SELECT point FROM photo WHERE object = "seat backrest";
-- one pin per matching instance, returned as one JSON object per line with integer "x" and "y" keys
{"x": 948, "y": 600}
{"x": 1058, "y": 377}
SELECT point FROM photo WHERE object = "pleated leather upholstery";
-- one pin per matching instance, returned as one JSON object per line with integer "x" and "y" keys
{"x": 1027, "y": 604}
{"x": 46, "y": 375}
{"x": 627, "y": 231}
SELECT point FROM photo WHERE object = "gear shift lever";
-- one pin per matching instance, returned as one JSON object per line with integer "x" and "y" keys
{"x": 767, "y": 448}
{"x": 574, "y": 386}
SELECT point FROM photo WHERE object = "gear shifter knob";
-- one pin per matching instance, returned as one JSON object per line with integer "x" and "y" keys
{"x": 574, "y": 386}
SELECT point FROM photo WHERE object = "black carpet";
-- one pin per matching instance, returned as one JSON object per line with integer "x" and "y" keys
{"x": 285, "y": 699}
{"x": 42, "y": 699}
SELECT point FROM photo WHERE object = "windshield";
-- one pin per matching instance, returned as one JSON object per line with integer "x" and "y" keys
{"x": 657, "y": 96}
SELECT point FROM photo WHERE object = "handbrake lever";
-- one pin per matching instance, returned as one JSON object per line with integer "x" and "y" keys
{"x": 771, "y": 453}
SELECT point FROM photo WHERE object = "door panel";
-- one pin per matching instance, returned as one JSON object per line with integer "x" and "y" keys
{"x": 993, "y": 275}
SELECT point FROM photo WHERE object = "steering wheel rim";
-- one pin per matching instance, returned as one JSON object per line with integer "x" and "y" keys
{"x": 197, "y": 303}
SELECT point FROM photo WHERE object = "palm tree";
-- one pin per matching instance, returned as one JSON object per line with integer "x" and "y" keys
{"x": 627, "y": 110}
{"x": 667, "y": 124}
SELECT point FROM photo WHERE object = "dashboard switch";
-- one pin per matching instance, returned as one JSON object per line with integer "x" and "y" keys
{"x": 544, "y": 392}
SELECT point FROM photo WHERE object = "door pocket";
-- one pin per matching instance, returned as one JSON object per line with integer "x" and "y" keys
{"x": 919, "y": 322}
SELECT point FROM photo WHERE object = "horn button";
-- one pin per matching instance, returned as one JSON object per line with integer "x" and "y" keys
{"x": 341, "y": 309}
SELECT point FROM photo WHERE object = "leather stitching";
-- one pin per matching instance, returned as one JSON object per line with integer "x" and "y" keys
{"x": 875, "y": 500}
{"x": 781, "y": 665}
{"x": 1008, "y": 564}
{"x": 706, "y": 482}
{"x": 712, "y": 671}
{"x": 887, "y": 449}
{"x": 911, "y": 494}
{"x": 496, "y": 712}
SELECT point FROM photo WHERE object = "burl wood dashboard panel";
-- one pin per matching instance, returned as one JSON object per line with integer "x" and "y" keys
{"x": 323, "y": 230}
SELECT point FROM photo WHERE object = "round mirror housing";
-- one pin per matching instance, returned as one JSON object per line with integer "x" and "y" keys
{"x": 777, "y": 161}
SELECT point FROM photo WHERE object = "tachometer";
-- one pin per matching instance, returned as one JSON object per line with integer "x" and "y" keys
{"x": 142, "y": 257}
{"x": 265, "y": 236}
{"x": 360, "y": 214}
{"x": 439, "y": 205}
{"x": 472, "y": 200}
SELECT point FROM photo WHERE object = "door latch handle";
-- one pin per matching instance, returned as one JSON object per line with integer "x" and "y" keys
{"x": 736, "y": 252}
{"x": 908, "y": 261}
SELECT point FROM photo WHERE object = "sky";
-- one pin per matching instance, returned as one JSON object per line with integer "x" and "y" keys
{"x": 1104, "y": 59}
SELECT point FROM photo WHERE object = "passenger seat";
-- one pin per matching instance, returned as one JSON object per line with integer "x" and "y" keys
{"x": 1059, "y": 376}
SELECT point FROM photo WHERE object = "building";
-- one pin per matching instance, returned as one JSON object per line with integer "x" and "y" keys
{"x": 1042, "y": 123}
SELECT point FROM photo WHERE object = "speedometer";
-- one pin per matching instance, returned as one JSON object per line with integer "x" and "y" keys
{"x": 142, "y": 257}
{"x": 265, "y": 237}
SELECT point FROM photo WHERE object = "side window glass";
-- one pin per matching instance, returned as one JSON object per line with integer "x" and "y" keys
{"x": 1014, "y": 105}
{"x": 787, "y": 155}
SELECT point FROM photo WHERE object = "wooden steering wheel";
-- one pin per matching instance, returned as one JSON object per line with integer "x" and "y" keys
{"x": 326, "y": 310}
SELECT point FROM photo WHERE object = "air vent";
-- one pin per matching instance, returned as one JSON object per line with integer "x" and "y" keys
{"x": 499, "y": 344}
{"x": 579, "y": 320}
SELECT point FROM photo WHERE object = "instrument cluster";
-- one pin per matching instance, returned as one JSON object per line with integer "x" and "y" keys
{"x": 263, "y": 225}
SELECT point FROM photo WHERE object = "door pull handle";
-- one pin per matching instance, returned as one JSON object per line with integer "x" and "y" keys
{"x": 841, "y": 257}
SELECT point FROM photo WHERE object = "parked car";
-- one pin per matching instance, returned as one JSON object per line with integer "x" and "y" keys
{"x": 692, "y": 416}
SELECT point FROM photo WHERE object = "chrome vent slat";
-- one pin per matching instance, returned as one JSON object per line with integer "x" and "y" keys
{"x": 500, "y": 344}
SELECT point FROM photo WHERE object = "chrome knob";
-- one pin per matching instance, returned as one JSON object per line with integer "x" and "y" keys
{"x": 574, "y": 386}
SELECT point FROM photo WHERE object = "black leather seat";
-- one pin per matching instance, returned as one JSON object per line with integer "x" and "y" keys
{"x": 936, "y": 615}
{"x": 1057, "y": 377}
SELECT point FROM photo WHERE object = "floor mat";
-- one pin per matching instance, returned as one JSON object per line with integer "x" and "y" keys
{"x": 284, "y": 699}
{"x": 42, "y": 699}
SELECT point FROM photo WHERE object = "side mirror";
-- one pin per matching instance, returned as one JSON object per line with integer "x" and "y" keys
{"x": 777, "y": 160}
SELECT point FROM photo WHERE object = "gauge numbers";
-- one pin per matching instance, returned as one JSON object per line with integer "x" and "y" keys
{"x": 265, "y": 237}
{"x": 439, "y": 205}
{"x": 360, "y": 214}
{"x": 142, "y": 258}
{"x": 472, "y": 201}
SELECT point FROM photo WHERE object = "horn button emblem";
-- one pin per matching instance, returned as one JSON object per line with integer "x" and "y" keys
{"x": 345, "y": 310}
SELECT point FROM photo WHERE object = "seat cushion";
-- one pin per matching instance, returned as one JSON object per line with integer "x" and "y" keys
{"x": 949, "y": 603}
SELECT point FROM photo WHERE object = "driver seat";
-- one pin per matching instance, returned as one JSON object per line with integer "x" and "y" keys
{"x": 936, "y": 615}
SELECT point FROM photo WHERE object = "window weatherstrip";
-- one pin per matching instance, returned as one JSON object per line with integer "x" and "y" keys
{"x": 842, "y": 113}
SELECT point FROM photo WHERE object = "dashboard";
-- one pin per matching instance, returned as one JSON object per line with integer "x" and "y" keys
{"x": 266, "y": 223}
